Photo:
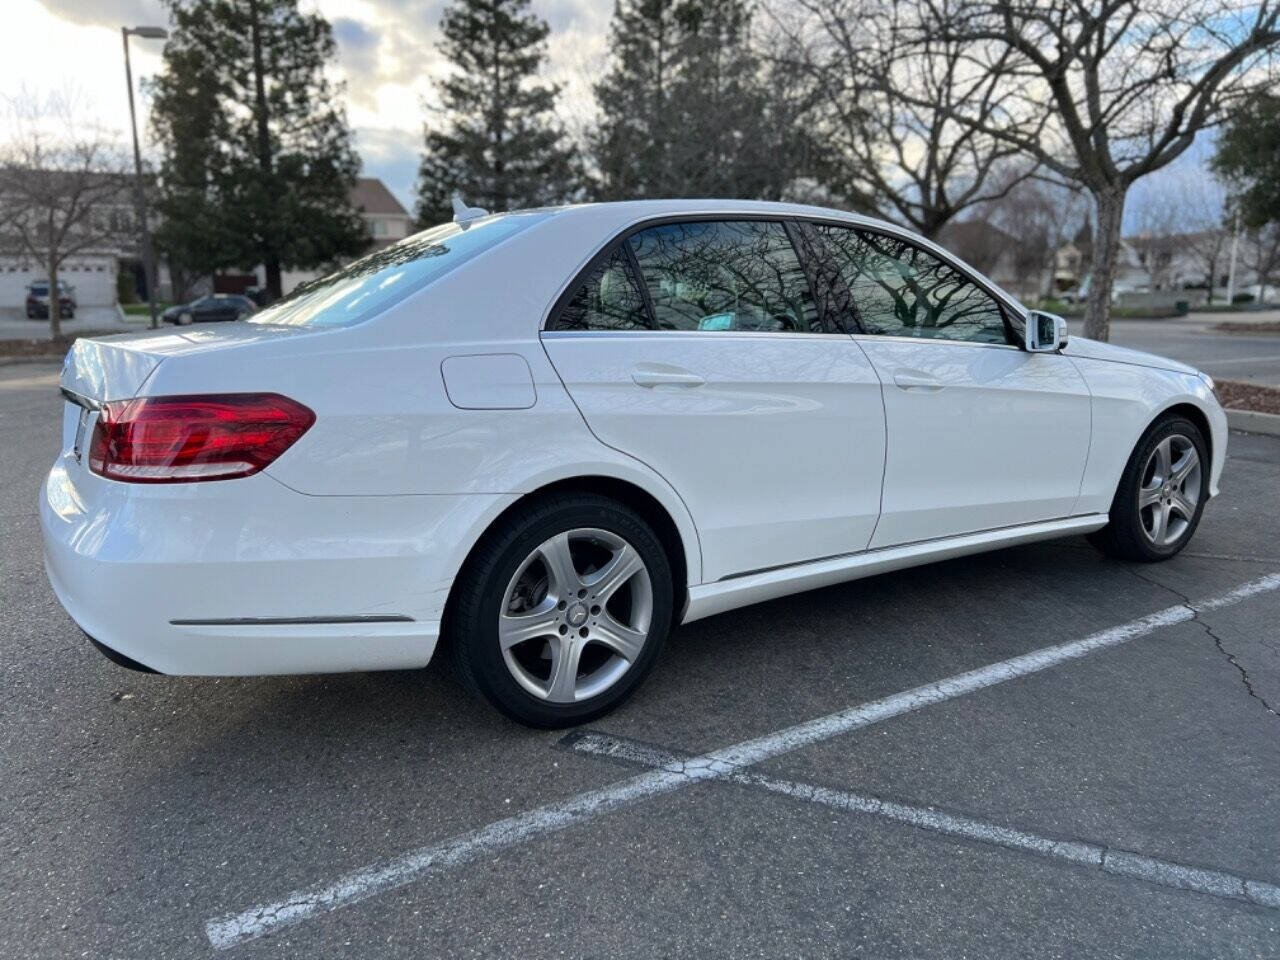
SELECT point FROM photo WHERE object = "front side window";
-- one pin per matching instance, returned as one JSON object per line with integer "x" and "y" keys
{"x": 725, "y": 276}
{"x": 608, "y": 299}
{"x": 899, "y": 290}
{"x": 376, "y": 282}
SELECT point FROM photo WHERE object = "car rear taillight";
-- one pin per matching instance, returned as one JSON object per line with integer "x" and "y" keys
{"x": 191, "y": 438}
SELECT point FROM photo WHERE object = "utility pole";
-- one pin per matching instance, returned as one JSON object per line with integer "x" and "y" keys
{"x": 140, "y": 197}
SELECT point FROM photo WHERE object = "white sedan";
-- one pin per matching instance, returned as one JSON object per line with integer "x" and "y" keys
{"x": 543, "y": 438}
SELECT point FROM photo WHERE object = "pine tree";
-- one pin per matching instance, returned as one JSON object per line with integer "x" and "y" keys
{"x": 632, "y": 146}
{"x": 258, "y": 163}
{"x": 686, "y": 109}
{"x": 500, "y": 144}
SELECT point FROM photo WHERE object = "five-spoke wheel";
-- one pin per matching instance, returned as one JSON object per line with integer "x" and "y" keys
{"x": 1170, "y": 490}
{"x": 575, "y": 615}
{"x": 1161, "y": 494}
{"x": 562, "y": 609}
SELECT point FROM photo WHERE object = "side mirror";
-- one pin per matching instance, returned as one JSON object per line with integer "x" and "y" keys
{"x": 1046, "y": 332}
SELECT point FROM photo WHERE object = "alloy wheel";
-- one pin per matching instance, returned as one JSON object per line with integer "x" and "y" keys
{"x": 1170, "y": 490}
{"x": 576, "y": 615}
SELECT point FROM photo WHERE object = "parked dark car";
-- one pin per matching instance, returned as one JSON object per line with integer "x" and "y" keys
{"x": 215, "y": 307}
{"x": 38, "y": 301}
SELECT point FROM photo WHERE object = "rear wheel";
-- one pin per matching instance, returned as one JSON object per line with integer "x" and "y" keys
{"x": 562, "y": 611}
{"x": 1161, "y": 495}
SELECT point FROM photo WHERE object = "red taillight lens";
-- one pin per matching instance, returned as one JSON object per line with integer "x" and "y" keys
{"x": 185, "y": 439}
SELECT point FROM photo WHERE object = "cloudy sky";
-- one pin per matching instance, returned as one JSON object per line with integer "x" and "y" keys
{"x": 387, "y": 57}
{"x": 386, "y": 49}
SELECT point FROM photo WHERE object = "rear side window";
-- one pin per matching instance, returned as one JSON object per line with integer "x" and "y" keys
{"x": 899, "y": 290}
{"x": 608, "y": 299}
{"x": 378, "y": 281}
{"x": 714, "y": 276}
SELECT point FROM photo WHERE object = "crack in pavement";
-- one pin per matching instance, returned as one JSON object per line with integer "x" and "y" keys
{"x": 1217, "y": 640}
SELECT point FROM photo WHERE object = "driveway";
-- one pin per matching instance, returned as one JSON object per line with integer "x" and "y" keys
{"x": 14, "y": 324}
{"x": 1033, "y": 753}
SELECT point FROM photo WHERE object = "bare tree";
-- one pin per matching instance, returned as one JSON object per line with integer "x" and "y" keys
{"x": 63, "y": 188}
{"x": 1107, "y": 91}
{"x": 1042, "y": 216}
{"x": 889, "y": 107}
{"x": 1157, "y": 239}
{"x": 1208, "y": 240}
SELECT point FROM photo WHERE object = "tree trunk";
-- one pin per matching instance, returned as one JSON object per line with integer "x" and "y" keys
{"x": 271, "y": 267}
{"x": 55, "y": 301}
{"x": 1109, "y": 203}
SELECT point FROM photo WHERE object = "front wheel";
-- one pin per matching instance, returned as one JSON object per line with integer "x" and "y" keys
{"x": 1161, "y": 495}
{"x": 562, "y": 610}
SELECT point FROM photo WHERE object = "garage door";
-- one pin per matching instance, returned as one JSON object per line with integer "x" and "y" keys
{"x": 94, "y": 280}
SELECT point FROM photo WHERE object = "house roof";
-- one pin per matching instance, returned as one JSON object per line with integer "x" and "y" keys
{"x": 372, "y": 196}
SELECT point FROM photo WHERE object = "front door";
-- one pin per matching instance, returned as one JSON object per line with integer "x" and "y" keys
{"x": 696, "y": 348}
{"x": 982, "y": 434}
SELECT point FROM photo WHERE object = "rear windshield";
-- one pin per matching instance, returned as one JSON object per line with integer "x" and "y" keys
{"x": 370, "y": 285}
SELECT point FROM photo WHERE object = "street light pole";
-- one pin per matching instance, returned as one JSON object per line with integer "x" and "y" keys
{"x": 148, "y": 254}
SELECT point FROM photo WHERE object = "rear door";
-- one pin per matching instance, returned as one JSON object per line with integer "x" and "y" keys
{"x": 696, "y": 347}
{"x": 982, "y": 434}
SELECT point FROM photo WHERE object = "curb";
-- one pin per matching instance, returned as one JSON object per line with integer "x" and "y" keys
{"x": 1253, "y": 422}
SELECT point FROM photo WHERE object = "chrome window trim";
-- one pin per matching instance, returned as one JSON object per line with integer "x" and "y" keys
{"x": 959, "y": 343}
{"x": 721, "y": 334}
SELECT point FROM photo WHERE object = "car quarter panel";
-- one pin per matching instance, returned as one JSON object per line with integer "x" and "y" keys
{"x": 386, "y": 427}
{"x": 1127, "y": 398}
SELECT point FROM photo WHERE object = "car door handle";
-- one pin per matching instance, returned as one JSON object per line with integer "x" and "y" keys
{"x": 916, "y": 381}
{"x": 657, "y": 374}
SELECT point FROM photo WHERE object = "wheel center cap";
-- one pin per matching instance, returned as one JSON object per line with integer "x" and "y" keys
{"x": 576, "y": 615}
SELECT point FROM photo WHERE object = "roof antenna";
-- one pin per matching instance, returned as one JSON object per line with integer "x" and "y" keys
{"x": 462, "y": 214}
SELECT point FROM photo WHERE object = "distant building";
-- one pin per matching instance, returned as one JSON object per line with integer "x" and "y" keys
{"x": 91, "y": 271}
{"x": 384, "y": 215}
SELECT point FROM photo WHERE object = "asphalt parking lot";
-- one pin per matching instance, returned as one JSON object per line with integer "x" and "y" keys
{"x": 1033, "y": 753}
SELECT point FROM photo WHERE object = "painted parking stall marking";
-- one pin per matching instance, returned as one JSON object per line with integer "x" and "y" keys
{"x": 1125, "y": 863}
{"x": 257, "y": 921}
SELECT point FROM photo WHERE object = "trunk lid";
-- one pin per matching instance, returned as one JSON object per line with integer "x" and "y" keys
{"x": 116, "y": 367}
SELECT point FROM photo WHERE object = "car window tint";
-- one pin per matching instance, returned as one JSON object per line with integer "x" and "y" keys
{"x": 376, "y": 282}
{"x": 608, "y": 299}
{"x": 725, "y": 276}
{"x": 899, "y": 290}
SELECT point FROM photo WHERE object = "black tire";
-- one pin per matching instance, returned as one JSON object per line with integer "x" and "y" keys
{"x": 472, "y": 623}
{"x": 1124, "y": 537}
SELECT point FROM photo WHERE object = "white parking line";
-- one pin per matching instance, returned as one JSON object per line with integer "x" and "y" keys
{"x": 235, "y": 928}
{"x": 1112, "y": 860}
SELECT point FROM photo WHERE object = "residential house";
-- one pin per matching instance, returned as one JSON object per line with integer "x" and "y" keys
{"x": 386, "y": 218}
{"x": 105, "y": 244}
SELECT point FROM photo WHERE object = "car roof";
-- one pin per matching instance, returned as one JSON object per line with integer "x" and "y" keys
{"x": 625, "y": 211}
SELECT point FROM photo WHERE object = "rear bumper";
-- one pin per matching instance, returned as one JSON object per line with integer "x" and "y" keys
{"x": 248, "y": 577}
